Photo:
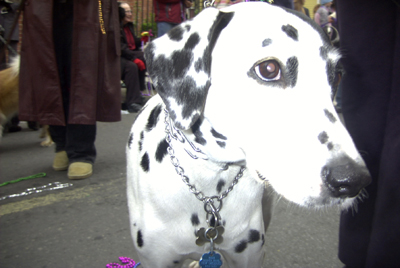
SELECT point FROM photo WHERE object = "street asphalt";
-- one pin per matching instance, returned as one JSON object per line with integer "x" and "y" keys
{"x": 85, "y": 224}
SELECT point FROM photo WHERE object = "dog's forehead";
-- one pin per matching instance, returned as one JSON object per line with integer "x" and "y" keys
{"x": 274, "y": 32}
{"x": 258, "y": 20}
{"x": 259, "y": 17}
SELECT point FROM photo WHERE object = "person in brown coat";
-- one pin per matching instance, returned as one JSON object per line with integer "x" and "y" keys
{"x": 70, "y": 75}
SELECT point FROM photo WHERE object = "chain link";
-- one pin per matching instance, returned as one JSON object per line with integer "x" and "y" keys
{"x": 181, "y": 172}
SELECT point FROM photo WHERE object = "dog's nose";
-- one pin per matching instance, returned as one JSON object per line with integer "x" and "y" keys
{"x": 344, "y": 177}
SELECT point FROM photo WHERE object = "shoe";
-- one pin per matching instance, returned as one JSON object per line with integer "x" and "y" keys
{"x": 134, "y": 108}
{"x": 80, "y": 170}
{"x": 61, "y": 161}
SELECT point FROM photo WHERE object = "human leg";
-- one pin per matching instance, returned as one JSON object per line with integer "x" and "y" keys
{"x": 81, "y": 150}
{"x": 58, "y": 135}
{"x": 80, "y": 143}
{"x": 75, "y": 149}
{"x": 130, "y": 75}
{"x": 164, "y": 27}
{"x": 74, "y": 141}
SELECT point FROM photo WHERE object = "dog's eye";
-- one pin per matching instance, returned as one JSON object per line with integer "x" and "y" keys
{"x": 268, "y": 70}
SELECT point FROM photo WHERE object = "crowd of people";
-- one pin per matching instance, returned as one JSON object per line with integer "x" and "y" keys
{"x": 98, "y": 40}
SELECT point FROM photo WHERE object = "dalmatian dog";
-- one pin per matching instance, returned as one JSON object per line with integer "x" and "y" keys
{"x": 244, "y": 113}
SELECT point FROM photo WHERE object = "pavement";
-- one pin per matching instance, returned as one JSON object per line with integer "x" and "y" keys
{"x": 84, "y": 223}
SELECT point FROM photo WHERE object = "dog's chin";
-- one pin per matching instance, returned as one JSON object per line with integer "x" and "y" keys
{"x": 323, "y": 200}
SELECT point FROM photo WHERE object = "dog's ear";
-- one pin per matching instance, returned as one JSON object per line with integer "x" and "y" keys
{"x": 179, "y": 64}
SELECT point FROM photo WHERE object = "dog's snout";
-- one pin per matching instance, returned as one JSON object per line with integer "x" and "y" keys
{"x": 344, "y": 177}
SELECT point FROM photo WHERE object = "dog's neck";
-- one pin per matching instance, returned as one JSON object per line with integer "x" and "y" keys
{"x": 203, "y": 141}
{"x": 199, "y": 154}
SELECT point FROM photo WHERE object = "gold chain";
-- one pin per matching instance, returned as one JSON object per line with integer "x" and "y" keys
{"x": 102, "y": 28}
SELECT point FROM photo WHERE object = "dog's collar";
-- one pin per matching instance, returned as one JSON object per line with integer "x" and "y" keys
{"x": 212, "y": 204}
{"x": 176, "y": 134}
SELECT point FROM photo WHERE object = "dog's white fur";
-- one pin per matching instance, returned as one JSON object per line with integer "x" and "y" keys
{"x": 273, "y": 130}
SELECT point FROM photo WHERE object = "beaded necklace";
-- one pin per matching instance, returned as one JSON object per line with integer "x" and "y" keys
{"x": 102, "y": 28}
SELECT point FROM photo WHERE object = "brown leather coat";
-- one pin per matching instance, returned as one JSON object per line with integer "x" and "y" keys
{"x": 95, "y": 93}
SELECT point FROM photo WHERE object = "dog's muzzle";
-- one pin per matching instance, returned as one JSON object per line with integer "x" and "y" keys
{"x": 344, "y": 177}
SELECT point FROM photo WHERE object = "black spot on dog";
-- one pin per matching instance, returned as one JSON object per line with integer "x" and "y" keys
{"x": 195, "y": 98}
{"x": 145, "y": 163}
{"x": 181, "y": 61}
{"x": 220, "y": 23}
{"x": 330, "y": 146}
{"x": 153, "y": 118}
{"x": 141, "y": 141}
{"x": 130, "y": 140}
{"x": 197, "y": 133}
{"x": 218, "y": 135}
{"x": 198, "y": 65}
{"x": 291, "y": 32}
{"x": 188, "y": 27}
{"x": 195, "y": 219}
{"x": 176, "y": 33}
{"x": 323, "y": 137}
{"x": 149, "y": 52}
{"x": 241, "y": 246}
{"x": 192, "y": 41}
{"x": 332, "y": 68}
{"x": 266, "y": 42}
{"x": 221, "y": 183}
{"x": 262, "y": 239}
{"x": 323, "y": 52}
{"x": 176, "y": 262}
{"x": 254, "y": 236}
{"x": 330, "y": 72}
{"x": 330, "y": 116}
{"x": 312, "y": 23}
{"x": 139, "y": 239}
{"x": 162, "y": 151}
{"x": 222, "y": 144}
{"x": 175, "y": 83}
{"x": 292, "y": 65}
{"x": 192, "y": 97}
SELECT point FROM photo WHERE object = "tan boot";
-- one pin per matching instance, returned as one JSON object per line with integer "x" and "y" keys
{"x": 80, "y": 170}
{"x": 60, "y": 161}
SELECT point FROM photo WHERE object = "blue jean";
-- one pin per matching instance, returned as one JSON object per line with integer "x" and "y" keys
{"x": 76, "y": 140}
{"x": 164, "y": 27}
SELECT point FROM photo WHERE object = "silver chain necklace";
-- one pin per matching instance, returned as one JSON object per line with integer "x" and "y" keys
{"x": 176, "y": 134}
{"x": 212, "y": 204}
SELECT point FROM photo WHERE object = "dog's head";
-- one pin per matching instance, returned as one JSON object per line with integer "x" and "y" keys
{"x": 260, "y": 79}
